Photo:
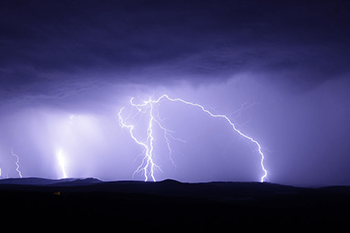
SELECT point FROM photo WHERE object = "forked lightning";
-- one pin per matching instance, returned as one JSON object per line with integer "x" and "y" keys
{"x": 148, "y": 166}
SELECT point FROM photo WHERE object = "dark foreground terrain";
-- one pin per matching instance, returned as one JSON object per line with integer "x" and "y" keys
{"x": 171, "y": 204}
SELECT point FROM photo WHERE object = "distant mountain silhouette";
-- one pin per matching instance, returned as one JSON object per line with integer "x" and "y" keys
{"x": 218, "y": 191}
{"x": 43, "y": 181}
{"x": 169, "y": 202}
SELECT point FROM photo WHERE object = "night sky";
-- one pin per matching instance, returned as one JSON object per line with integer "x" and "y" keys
{"x": 279, "y": 71}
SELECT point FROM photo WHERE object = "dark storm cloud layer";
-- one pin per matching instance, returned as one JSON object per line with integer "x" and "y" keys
{"x": 48, "y": 42}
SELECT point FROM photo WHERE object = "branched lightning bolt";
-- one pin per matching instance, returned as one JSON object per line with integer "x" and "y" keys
{"x": 148, "y": 165}
{"x": 17, "y": 163}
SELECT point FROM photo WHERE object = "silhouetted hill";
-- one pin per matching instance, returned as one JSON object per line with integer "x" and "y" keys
{"x": 32, "y": 181}
{"x": 35, "y": 181}
{"x": 176, "y": 204}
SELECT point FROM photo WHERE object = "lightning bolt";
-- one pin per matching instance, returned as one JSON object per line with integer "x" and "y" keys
{"x": 59, "y": 154}
{"x": 17, "y": 163}
{"x": 61, "y": 162}
{"x": 147, "y": 163}
{"x": 148, "y": 166}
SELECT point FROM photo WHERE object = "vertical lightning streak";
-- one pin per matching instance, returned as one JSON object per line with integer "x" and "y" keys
{"x": 62, "y": 163}
{"x": 0, "y": 173}
{"x": 148, "y": 146}
{"x": 123, "y": 124}
{"x": 17, "y": 163}
{"x": 150, "y": 139}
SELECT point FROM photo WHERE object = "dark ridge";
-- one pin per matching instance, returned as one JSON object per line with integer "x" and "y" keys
{"x": 169, "y": 181}
{"x": 345, "y": 190}
{"x": 78, "y": 182}
{"x": 43, "y": 181}
{"x": 172, "y": 203}
{"x": 33, "y": 181}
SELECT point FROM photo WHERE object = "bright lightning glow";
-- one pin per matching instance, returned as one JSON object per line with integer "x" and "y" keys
{"x": 148, "y": 166}
{"x": 17, "y": 163}
{"x": 62, "y": 163}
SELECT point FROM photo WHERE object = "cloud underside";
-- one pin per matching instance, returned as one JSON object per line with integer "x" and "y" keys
{"x": 48, "y": 44}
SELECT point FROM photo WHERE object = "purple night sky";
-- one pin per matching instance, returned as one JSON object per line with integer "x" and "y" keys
{"x": 279, "y": 71}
